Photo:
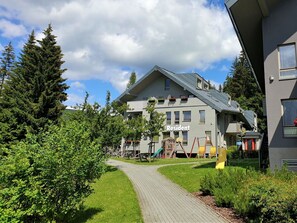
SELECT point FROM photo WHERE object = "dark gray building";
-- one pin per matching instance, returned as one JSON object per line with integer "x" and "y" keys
{"x": 192, "y": 110}
{"x": 267, "y": 32}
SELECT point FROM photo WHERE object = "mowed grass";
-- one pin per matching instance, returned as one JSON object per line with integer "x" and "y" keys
{"x": 113, "y": 200}
{"x": 164, "y": 161}
{"x": 189, "y": 176}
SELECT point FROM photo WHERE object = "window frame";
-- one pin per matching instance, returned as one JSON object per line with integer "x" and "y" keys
{"x": 187, "y": 120}
{"x": 167, "y": 84}
{"x": 288, "y": 127}
{"x": 201, "y": 122}
{"x": 291, "y": 70}
{"x": 168, "y": 118}
{"x": 176, "y": 117}
{"x": 185, "y": 139}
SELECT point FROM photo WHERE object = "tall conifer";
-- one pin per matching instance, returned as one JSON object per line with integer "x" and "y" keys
{"x": 33, "y": 96}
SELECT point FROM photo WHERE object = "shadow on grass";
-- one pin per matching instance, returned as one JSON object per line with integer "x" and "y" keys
{"x": 205, "y": 165}
{"x": 244, "y": 163}
{"x": 84, "y": 215}
{"x": 111, "y": 169}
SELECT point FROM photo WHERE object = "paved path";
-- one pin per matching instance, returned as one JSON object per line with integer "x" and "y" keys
{"x": 163, "y": 201}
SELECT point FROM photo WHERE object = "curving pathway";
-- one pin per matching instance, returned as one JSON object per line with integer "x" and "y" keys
{"x": 163, "y": 201}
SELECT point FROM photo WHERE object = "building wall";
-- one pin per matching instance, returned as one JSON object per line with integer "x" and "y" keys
{"x": 278, "y": 28}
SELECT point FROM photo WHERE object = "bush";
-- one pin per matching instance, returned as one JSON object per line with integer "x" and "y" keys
{"x": 268, "y": 200}
{"x": 260, "y": 198}
{"x": 46, "y": 177}
{"x": 225, "y": 184}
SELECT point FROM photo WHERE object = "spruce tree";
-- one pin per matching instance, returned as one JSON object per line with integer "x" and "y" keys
{"x": 132, "y": 79}
{"x": 7, "y": 63}
{"x": 241, "y": 85}
{"x": 32, "y": 98}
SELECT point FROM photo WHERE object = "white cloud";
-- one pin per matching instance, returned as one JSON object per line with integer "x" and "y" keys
{"x": 106, "y": 39}
{"x": 77, "y": 85}
{"x": 74, "y": 99}
{"x": 11, "y": 30}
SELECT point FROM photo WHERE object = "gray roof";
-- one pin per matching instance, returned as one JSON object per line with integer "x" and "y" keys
{"x": 217, "y": 100}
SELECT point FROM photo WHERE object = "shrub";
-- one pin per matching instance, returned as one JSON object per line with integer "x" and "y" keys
{"x": 46, "y": 177}
{"x": 268, "y": 200}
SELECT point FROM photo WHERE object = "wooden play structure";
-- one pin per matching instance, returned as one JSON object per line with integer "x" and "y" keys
{"x": 169, "y": 148}
{"x": 208, "y": 149}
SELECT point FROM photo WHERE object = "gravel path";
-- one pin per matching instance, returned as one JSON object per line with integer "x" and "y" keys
{"x": 163, "y": 201}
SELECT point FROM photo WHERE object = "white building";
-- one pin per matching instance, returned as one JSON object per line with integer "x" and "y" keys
{"x": 195, "y": 113}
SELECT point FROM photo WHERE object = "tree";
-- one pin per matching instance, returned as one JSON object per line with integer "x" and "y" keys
{"x": 46, "y": 177}
{"x": 155, "y": 124}
{"x": 32, "y": 98}
{"x": 7, "y": 63}
{"x": 135, "y": 129}
{"x": 241, "y": 85}
{"x": 132, "y": 80}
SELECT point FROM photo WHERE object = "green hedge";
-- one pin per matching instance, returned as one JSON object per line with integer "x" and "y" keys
{"x": 259, "y": 198}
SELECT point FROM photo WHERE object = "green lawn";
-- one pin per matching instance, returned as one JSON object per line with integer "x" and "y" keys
{"x": 188, "y": 176}
{"x": 113, "y": 200}
{"x": 165, "y": 161}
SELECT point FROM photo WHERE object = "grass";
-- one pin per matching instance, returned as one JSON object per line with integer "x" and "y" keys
{"x": 164, "y": 161}
{"x": 188, "y": 176}
{"x": 113, "y": 200}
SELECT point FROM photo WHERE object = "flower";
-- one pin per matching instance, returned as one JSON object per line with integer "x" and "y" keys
{"x": 295, "y": 122}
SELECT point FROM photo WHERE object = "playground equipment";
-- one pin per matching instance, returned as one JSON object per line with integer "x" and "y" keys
{"x": 157, "y": 153}
{"x": 179, "y": 142}
{"x": 169, "y": 147}
{"x": 207, "y": 148}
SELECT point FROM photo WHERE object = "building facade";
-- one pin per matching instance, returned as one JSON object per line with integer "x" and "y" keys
{"x": 195, "y": 113}
{"x": 267, "y": 30}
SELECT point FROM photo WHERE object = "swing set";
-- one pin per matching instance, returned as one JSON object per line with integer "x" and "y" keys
{"x": 207, "y": 149}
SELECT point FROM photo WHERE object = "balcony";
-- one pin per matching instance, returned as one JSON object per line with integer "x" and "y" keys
{"x": 234, "y": 128}
{"x": 136, "y": 106}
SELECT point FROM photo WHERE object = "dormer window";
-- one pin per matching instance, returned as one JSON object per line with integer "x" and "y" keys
{"x": 199, "y": 83}
{"x": 167, "y": 84}
{"x": 205, "y": 86}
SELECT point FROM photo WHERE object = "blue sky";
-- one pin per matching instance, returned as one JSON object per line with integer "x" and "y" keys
{"x": 103, "y": 41}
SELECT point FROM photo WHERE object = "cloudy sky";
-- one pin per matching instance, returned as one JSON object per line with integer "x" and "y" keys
{"x": 103, "y": 41}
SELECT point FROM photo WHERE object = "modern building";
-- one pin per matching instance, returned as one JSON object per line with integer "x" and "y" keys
{"x": 267, "y": 30}
{"x": 199, "y": 115}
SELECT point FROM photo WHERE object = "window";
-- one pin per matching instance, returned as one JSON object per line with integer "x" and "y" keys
{"x": 176, "y": 135}
{"x": 202, "y": 116}
{"x": 185, "y": 138}
{"x": 287, "y": 61}
{"x": 208, "y": 138}
{"x": 166, "y": 135}
{"x": 176, "y": 117}
{"x": 168, "y": 118}
{"x": 187, "y": 116}
{"x": 289, "y": 115}
{"x": 199, "y": 83}
{"x": 167, "y": 84}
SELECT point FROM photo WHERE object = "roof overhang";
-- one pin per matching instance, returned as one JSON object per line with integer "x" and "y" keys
{"x": 246, "y": 16}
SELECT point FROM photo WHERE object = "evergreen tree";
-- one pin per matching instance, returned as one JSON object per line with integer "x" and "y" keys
{"x": 7, "y": 63}
{"x": 241, "y": 85}
{"x": 132, "y": 80}
{"x": 32, "y": 97}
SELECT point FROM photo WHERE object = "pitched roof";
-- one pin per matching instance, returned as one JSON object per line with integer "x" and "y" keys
{"x": 188, "y": 81}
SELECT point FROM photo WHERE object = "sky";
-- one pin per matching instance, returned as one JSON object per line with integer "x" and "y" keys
{"x": 103, "y": 41}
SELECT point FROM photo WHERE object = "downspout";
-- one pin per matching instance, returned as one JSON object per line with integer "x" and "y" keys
{"x": 216, "y": 132}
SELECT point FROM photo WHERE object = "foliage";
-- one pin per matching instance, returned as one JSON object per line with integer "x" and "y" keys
{"x": 258, "y": 197}
{"x": 46, "y": 177}
{"x": 106, "y": 124}
{"x": 113, "y": 200}
{"x": 242, "y": 87}
{"x": 135, "y": 128}
{"x": 32, "y": 97}
{"x": 6, "y": 64}
{"x": 155, "y": 124}
{"x": 132, "y": 80}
